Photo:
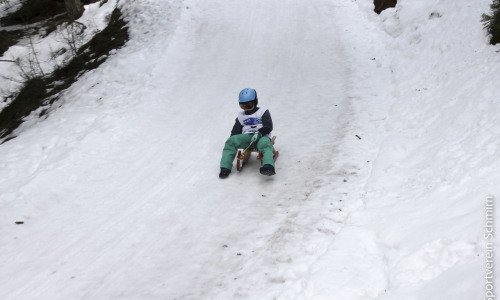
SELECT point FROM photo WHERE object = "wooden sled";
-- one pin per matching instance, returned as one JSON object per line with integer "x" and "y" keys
{"x": 244, "y": 155}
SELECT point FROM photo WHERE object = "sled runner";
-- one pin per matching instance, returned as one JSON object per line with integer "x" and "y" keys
{"x": 244, "y": 155}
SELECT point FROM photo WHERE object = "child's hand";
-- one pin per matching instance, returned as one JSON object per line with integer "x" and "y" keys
{"x": 257, "y": 135}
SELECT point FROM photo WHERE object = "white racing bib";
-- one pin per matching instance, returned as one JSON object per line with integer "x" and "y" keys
{"x": 251, "y": 123}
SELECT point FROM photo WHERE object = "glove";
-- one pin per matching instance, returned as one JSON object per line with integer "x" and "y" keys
{"x": 257, "y": 135}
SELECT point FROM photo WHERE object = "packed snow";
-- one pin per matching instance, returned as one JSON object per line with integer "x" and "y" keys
{"x": 387, "y": 128}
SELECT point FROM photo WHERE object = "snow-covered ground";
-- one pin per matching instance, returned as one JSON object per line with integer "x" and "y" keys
{"x": 387, "y": 128}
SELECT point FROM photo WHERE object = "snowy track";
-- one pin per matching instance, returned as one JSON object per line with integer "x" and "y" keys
{"x": 118, "y": 187}
{"x": 125, "y": 202}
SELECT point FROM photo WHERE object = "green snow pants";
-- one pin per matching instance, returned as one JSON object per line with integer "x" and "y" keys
{"x": 241, "y": 141}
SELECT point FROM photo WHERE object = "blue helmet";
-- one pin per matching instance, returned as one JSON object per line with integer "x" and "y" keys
{"x": 247, "y": 95}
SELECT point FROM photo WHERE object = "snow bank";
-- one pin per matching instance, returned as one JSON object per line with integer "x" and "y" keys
{"x": 423, "y": 215}
{"x": 42, "y": 54}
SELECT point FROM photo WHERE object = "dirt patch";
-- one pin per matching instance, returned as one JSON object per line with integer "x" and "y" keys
{"x": 32, "y": 11}
{"x": 9, "y": 38}
{"x": 380, "y": 5}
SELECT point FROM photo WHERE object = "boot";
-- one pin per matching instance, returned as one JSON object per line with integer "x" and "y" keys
{"x": 224, "y": 172}
{"x": 267, "y": 170}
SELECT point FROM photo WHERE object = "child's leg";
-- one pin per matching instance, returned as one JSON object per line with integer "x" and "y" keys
{"x": 264, "y": 145}
{"x": 235, "y": 142}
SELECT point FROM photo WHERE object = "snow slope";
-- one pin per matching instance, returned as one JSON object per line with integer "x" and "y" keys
{"x": 387, "y": 138}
